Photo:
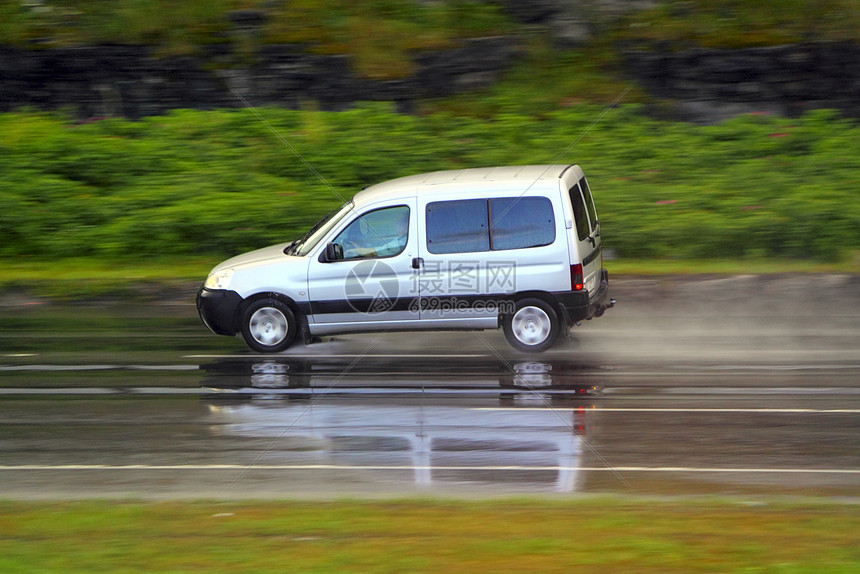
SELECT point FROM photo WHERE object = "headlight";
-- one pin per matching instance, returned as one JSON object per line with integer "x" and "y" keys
{"x": 219, "y": 279}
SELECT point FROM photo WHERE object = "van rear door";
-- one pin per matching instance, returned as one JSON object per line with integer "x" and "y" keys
{"x": 585, "y": 234}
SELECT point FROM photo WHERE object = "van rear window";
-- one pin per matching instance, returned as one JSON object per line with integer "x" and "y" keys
{"x": 463, "y": 226}
{"x": 579, "y": 216}
{"x": 589, "y": 202}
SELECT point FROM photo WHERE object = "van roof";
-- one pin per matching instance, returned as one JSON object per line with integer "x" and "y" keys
{"x": 528, "y": 175}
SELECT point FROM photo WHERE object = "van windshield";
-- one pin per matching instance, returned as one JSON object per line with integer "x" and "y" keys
{"x": 316, "y": 233}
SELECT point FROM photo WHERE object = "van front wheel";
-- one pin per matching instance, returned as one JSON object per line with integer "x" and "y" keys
{"x": 533, "y": 327}
{"x": 268, "y": 326}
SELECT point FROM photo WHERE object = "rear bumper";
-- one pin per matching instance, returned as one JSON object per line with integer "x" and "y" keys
{"x": 578, "y": 306}
{"x": 218, "y": 310}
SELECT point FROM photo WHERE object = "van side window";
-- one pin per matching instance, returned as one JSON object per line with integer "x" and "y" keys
{"x": 579, "y": 216}
{"x": 589, "y": 202}
{"x": 457, "y": 226}
{"x": 379, "y": 233}
{"x": 522, "y": 222}
{"x": 461, "y": 226}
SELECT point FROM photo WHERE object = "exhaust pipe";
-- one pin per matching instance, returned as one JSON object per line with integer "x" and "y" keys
{"x": 603, "y": 309}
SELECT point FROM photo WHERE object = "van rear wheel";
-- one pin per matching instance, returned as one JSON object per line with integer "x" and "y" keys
{"x": 269, "y": 326}
{"x": 534, "y": 326}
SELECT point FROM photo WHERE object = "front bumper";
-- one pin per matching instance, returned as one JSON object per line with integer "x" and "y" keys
{"x": 578, "y": 306}
{"x": 219, "y": 310}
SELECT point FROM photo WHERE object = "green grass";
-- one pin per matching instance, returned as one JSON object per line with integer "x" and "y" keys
{"x": 84, "y": 278}
{"x": 131, "y": 270}
{"x": 600, "y": 535}
{"x": 640, "y": 267}
{"x": 743, "y": 23}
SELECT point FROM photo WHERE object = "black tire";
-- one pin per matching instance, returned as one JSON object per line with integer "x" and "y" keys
{"x": 533, "y": 327}
{"x": 269, "y": 326}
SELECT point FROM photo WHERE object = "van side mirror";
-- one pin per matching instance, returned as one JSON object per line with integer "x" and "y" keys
{"x": 333, "y": 252}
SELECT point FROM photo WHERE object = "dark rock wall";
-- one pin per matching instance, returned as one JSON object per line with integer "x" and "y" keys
{"x": 710, "y": 84}
{"x": 129, "y": 81}
{"x": 705, "y": 85}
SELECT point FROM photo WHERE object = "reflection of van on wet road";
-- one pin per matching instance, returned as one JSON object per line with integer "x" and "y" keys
{"x": 307, "y": 375}
{"x": 511, "y": 247}
{"x": 432, "y": 445}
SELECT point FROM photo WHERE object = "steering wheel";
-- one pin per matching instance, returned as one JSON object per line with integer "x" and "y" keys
{"x": 350, "y": 246}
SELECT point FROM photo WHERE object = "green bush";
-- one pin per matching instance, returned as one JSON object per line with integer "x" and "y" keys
{"x": 221, "y": 182}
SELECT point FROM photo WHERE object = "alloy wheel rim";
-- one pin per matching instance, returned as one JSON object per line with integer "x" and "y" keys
{"x": 268, "y": 326}
{"x": 531, "y": 325}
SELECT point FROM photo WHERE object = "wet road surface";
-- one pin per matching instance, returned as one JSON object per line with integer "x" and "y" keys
{"x": 662, "y": 396}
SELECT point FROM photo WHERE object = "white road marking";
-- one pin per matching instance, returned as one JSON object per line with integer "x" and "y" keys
{"x": 264, "y": 392}
{"x": 324, "y": 356}
{"x": 57, "y": 367}
{"x": 757, "y": 391}
{"x": 609, "y": 373}
{"x": 781, "y": 368}
{"x": 79, "y": 391}
{"x": 65, "y": 467}
{"x": 488, "y": 390}
{"x": 595, "y": 408}
{"x": 62, "y": 368}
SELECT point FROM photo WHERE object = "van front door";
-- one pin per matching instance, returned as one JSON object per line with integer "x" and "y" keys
{"x": 372, "y": 279}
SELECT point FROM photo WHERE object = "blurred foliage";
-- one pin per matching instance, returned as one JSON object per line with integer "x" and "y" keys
{"x": 217, "y": 183}
{"x": 545, "y": 79}
{"x": 380, "y": 35}
{"x": 170, "y": 27}
{"x": 744, "y": 23}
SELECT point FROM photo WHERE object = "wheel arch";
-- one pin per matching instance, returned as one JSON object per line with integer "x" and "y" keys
{"x": 546, "y": 297}
{"x": 253, "y": 298}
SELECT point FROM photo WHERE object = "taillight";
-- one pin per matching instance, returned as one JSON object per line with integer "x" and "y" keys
{"x": 576, "y": 281}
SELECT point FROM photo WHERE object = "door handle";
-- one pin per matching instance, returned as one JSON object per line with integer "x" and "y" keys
{"x": 417, "y": 262}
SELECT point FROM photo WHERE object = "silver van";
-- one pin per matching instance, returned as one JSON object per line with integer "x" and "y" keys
{"x": 510, "y": 247}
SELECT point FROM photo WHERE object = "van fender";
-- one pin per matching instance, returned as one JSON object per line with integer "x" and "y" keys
{"x": 289, "y": 301}
{"x": 547, "y": 297}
